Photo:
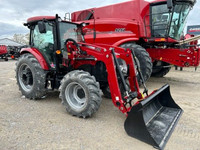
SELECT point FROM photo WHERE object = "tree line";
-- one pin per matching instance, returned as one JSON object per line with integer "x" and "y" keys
{"x": 21, "y": 38}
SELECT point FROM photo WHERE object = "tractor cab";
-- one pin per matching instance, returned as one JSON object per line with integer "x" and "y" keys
{"x": 48, "y": 35}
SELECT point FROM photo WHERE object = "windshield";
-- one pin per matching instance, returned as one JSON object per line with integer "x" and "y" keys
{"x": 178, "y": 20}
{"x": 165, "y": 23}
{"x": 69, "y": 30}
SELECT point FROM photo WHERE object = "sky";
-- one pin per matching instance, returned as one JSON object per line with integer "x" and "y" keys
{"x": 13, "y": 13}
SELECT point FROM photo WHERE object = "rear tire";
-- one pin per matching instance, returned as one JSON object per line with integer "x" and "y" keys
{"x": 30, "y": 76}
{"x": 80, "y": 93}
{"x": 160, "y": 72}
{"x": 6, "y": 58}
{"x": 143, "y": 58}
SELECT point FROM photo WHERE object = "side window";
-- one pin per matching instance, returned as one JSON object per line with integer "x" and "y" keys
{"x": 41, "y": 40}
{"x": 160, "y": 20}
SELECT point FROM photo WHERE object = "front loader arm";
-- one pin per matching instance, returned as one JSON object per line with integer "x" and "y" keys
{"x": 108, "y": 55}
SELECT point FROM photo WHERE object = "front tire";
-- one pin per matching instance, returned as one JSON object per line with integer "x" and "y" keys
{"x": 143, "y": 58}
{"x": 107, "y": 93}
{"x": 30, "y": 76}
{"x": 160, "y": 69}
{"x": 80, "y": 93}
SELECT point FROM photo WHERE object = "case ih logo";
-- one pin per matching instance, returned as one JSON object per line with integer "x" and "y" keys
{"x": 195, "y": 30}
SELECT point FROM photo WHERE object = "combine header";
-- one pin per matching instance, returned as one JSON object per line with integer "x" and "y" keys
{"x": 59, "y": 58}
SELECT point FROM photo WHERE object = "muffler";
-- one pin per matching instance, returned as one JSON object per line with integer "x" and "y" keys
{"x": 153, "y": 119}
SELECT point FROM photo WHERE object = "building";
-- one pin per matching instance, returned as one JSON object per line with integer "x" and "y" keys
{"x": 9, "y": 42}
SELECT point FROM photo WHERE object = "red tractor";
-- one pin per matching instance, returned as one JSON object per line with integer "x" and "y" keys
{"x": 59, "y": 58}
{"x": 152, "y": 27}
{"x": 3, "y": 52}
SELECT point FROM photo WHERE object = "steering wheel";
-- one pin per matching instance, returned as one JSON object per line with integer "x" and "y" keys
{"x": 74, "y": 42}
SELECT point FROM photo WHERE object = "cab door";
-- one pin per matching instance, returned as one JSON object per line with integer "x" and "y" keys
{"x": 45, "y": 42}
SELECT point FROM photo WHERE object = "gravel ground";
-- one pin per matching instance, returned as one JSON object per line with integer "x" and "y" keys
{"x": 44, "y": 124}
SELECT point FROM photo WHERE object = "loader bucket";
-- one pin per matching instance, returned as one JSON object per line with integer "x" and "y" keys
{"x": 153, "y": 119}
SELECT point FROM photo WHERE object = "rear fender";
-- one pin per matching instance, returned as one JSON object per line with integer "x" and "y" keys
{"x": 37, "y": 55}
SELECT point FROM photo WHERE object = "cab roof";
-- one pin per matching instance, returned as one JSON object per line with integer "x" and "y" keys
{"x": 40, "y": 18}
{"x": 35, "y": 19}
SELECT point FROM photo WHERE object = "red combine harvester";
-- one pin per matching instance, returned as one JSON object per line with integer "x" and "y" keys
{"x": 59, "y": 58}
{"x": 151, "y": 27}
{"x": 3, "y": 52}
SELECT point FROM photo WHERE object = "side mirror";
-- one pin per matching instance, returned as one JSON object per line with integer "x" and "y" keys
{"x": 169, "y": 4}
{"x": 42, "y": 27}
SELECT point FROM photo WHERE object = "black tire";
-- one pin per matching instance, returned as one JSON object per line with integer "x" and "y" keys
{"x": 6, "y": 59}
{"x": 143, "y": 58}
{"x": 80, "y": 93}
{"x": 106, "y": 90}
{"x": 31, "y": 78}
{"x": 160, "y": 69}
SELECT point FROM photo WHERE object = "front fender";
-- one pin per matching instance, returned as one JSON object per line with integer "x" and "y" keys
{"x": 118, "y": 43}
{"x": 37, "y": 55}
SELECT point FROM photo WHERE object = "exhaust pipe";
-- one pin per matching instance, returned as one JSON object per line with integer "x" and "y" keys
{"x": 154, "y": 119}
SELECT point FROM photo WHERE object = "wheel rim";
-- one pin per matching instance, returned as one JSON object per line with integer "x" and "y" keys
{"x": 75, "y": 95}
{"x": 25, "y": 77}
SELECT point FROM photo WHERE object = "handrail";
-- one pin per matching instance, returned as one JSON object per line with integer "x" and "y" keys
{"x": 189, "y": 40}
